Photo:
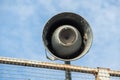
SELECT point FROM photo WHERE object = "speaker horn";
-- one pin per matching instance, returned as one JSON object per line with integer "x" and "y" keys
{"x": 67, "y": 36}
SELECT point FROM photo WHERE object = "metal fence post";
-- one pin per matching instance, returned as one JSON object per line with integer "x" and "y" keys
{"x": 103, "y": 74}
{"x": 67, "y": 73}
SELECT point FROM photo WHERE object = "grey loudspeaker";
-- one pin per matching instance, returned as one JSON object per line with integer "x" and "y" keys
{"x": 67, "y": 36}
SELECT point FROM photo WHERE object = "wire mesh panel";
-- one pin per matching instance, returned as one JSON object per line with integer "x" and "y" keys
{"x": 82, "y": 76}
{"x": 10, "y": 72}
{"x": 18, "y": 69}
{"x": 13, "y": 72}
{"x": 114, "y": 78}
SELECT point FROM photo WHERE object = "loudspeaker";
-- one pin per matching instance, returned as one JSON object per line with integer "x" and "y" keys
{"x": 67, "y": 36}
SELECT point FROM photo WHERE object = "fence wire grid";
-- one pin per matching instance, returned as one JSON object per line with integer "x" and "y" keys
{"x": 19, "y": 69}
{"x": 13, "y": 72}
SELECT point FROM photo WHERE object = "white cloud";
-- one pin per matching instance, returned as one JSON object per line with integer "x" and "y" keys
{"x": 48, "y": 5}
{"x": 68, "y": 5}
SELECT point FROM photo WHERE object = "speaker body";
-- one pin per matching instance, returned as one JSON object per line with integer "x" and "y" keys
{"x": 67, "y": 36}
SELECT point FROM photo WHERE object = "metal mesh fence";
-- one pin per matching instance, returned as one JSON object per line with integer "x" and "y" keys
{"x": 82, "y": 76}
{"x": 114, "y": 78}
{"x": 10, "y": 72}
{"x": 13, "y": 72}
{"x": 18, "y": 69}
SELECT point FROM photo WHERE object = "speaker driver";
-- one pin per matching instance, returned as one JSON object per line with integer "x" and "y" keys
{"x": 66, "y": 40}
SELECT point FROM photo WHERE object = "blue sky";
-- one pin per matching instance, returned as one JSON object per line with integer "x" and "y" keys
{"x": 22, "y": 22}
